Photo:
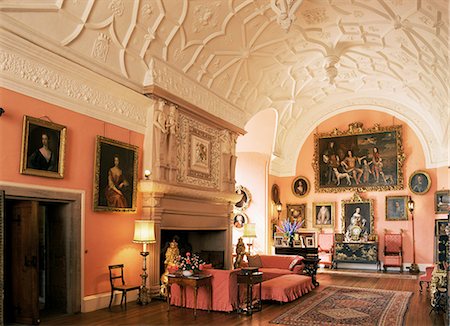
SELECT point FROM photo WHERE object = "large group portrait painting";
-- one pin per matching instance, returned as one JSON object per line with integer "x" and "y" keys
{"x": 365, "y": 160}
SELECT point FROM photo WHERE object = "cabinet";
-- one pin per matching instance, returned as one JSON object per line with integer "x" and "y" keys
{"x": 356, "y": 252}
{"x": 441, "y": 240}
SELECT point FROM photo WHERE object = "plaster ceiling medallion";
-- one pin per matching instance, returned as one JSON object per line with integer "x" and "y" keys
{"x": 289, "y": 55}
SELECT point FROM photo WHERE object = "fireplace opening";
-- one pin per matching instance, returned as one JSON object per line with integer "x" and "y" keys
{"x": 208, "y": 244}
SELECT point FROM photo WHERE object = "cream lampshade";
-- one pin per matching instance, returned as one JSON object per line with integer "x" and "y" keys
{"x": 144, "y": 232}
{"x": 249, "y": 232}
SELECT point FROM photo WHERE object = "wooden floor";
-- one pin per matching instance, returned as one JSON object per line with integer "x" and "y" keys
{"x": 156, "y": 312}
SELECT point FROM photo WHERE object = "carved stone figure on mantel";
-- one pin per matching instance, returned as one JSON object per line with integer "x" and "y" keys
{"x": 160, "y": 132}
{"x": 225, "y": 142}
{"x": 172, "y": 254}
{"x": 172, "y": 128}
{"x": 240, "y": 253}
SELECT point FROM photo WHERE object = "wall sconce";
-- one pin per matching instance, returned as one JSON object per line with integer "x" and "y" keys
{"x": 147, "y": 174}
{"x": 144, "y": 232}
{"x": 279, "y": 209}
{"x": 249, "y": 232}
{"x": 410, "y": 205}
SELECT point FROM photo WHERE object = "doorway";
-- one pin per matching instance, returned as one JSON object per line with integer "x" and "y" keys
{"x": 41, "y": 257}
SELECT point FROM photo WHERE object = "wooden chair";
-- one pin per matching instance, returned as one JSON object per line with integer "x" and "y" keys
{"x": 326, "y": 248}
{"x": 116, "y": 272}
{"x": 393, "y": 251}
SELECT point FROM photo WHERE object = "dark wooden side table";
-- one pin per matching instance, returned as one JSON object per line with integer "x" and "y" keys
{"x": 195, "y": 281}
{"x": 249, "y": 280}
{"x": 311, "y": 264}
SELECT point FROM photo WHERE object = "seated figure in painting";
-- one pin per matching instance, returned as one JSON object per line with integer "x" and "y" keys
{"x": 356, "y": 227}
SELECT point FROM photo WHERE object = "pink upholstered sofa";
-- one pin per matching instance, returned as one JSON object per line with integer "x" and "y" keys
{"x": 224, "y": 283}
{"x": 276, "y": 265}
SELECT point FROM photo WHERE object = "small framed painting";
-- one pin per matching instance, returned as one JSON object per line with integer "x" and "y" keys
{"x": 297, "y": 243}
{"x": 323, "y": 215}
{"x": 278, "y": 241}
{"x": 419, "y": 182}
{"x": 309, "y": 242}
{"x": 240, "y": 219}
{"x": 396, "y": 208}
{"x": 115, "y": 177}
{"x": 300, "y": 186}
{"x": 43, "y": 147}
{"x": 442, "y": 201}
{"x": 297, "y": 212}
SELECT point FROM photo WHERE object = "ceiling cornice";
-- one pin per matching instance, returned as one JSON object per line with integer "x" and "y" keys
{"x": 36, "y": 72}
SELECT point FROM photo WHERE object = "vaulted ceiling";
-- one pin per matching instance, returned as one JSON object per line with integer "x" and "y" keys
{"x": 307, "y": 59}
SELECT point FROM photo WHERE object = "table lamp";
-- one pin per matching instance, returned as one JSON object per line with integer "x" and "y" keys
{"x": 249, "y": 232}
{"x": 144, "y": 232}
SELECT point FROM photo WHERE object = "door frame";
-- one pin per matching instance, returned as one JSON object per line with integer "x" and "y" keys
{"x": 74, "y": 210}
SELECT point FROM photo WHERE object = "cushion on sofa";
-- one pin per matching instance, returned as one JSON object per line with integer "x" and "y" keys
{"x": 296, "y": 261}
{"x": 276, "y": 261}
{"x": 254, "y": 261}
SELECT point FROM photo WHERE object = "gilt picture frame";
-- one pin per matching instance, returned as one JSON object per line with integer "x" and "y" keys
{"x": 419, "y": 182}
{"x": 396, "y": 208}
{"x": 357, "y": 218}
{"x": 115, "y": 176}
{"x": 359, "y": 159}
{"x": 323, "y": 215}
{"x": 442, "y": 201}
{"x": 300, "y": 186}
{"x": 43, "y": 148}
{"x": 296, "y": 212}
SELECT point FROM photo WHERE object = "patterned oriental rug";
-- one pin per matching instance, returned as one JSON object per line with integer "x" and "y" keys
{"x": 347, "y": 306}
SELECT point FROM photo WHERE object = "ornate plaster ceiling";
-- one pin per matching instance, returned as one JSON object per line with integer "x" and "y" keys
{"x": 389, "y": 54}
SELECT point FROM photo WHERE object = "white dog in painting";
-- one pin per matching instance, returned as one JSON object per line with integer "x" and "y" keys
{"x": 340, "y": 175}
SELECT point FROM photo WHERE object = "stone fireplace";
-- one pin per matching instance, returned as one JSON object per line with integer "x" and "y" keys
{"x": 190, "y": 191}
{"x": 201, "y": 218}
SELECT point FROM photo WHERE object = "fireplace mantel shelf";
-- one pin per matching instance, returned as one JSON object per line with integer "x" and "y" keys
{"x": 150, "y": 186}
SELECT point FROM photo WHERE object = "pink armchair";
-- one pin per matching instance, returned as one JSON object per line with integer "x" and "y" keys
{"x": 393, "y": 255}
{"x": 326, "y": 248}
{"x": 426, "y": 278}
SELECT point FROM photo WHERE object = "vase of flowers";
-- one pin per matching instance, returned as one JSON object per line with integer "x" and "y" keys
{"x": 289, "y": 229}
{"x": 189, "y": 264}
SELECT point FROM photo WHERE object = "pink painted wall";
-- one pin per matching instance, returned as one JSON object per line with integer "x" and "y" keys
{"x": 424, "y": 215}
{"x": 251, "y": 172}
{"x": 108, "y": 236}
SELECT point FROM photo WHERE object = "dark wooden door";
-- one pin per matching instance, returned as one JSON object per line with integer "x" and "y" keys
{"x": 24, "y": 262}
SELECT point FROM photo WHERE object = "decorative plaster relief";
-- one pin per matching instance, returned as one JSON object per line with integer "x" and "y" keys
{"x": 180, "y": 85}
{"x": 67, "y": 85}
{"x": 315, "y": 16}
{"x": 116, "y": 7}
{"x": 199, "y": 154}
{"x": 101, "y": 47}
{"x": 285, "y": 11}
{"x": 205, "y": 16}
{"x": 434, "y": 148}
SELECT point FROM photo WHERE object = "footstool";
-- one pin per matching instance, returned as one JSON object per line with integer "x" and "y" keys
{"x": 286, "y": 288}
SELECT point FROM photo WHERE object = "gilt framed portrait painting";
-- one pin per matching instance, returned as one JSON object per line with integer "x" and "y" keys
{"x": 115, "y": 176}
{"x": 43, "y": 148}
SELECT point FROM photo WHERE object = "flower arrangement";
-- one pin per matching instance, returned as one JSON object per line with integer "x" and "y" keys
{"x": 190, "y": 262}
{"x": 289, "y": 228}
